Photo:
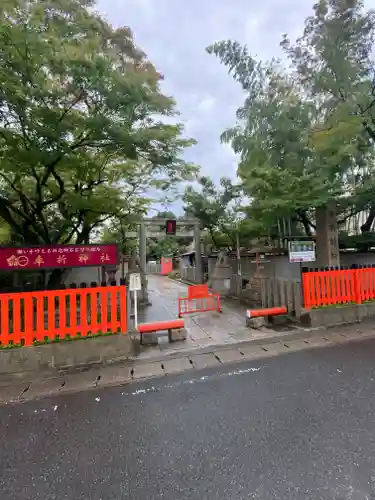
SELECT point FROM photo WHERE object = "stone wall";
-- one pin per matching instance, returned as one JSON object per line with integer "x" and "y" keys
{"x": 68, "y": 356}
{"x": 338, "y": 315}
{"x": 278, "y": 266}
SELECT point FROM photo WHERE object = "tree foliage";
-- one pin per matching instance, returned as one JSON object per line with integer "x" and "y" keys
{"x": 305, "y": 133}
{"x": 82, "y": 132}
{"x": 216, "y": 209}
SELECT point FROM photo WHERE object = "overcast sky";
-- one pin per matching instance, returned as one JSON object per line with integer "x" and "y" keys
{"x": 174, "y": 34}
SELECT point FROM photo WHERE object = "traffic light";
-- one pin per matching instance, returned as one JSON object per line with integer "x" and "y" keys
{"x": 170, "y": 228}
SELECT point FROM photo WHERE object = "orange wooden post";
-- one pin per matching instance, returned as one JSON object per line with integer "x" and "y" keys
{"x": 16, "y": 335}
{"x": 104, "y": 309}
{"x": 83, "y": 312}
{"x": 114, "y": 323}
{"x": 371, "y": 283}
{"x": 123, "y": 310}
{"x": 28, "y": 319}
{"x": 4, "y": 301}
{"x": 73, "y": 312}
{"x": 39, "y": 323}
{"x": 357, "y": 298}
{"x": 62, "y": 330}
{"x": 306, "y": 288}
{"x": 94, "y": 325}
{"x": 51, "y": 314}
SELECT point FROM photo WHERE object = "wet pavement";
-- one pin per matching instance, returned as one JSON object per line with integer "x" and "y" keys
{"x": 299, "y": 426}
{"x": 121, "y": 374}
{"x": 203, "y": 329}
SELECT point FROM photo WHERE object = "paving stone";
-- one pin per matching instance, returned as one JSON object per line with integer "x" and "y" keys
{"x": 177, "y": 365}
{"x": 358, "y": 335}
{"x": 252, "y": 352}
{"x": 336, "y": 338}
{"x": 115, "y": 375}
{"x": 243, "y": 335}
{"x": 80, "y": 381}
{"x": 317, "y": 342}
{"x": 46, "y": 387}
{"x": 296, "y": 345}
{"x": 150, "y": 339}
{"x": 204, "y": 342}
{"x": 172, "y": 347}
{"x": 142, "y": 370}
{"x": 178, "y": 334}
{"x": 226, "y": 356}
{"x": 275, "y": 348}
{"x": 204, "y": 360}
{"x": 13, "y": 392}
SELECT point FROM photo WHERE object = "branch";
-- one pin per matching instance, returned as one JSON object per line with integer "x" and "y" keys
{"x": 51, "y": 166}
{"x": 71, "y": 106}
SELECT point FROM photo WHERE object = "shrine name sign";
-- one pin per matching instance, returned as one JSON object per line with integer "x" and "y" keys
{"x": 58, "y": 256}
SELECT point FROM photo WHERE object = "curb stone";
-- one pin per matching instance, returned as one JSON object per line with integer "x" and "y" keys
{"x": 185, "y": 361}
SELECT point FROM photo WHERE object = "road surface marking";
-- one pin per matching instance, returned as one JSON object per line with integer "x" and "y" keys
{"x": 204, "y": 378}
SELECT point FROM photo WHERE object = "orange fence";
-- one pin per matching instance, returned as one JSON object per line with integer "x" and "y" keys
{"x": 338, "y": 286}
{"x": 199, "y": 299}
{"x": 27, "y": 317}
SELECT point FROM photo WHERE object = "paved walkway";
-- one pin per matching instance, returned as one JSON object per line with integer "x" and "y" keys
{"x": 203, "y": 329}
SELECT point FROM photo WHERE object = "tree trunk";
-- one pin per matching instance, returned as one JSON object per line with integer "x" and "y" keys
{"x": 305, "y": 222}
{"x": 366, "y": 227}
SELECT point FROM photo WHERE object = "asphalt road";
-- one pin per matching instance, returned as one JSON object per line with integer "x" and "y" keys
{"x": 300, "y": 426}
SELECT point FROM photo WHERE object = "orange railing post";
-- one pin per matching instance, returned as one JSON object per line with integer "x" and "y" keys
{"x": 356, "y": 280}
{"x": 29, "y": 316}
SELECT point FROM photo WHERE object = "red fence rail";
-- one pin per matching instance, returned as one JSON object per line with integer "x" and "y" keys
{"x": 27, "y": 317}
{"x": 199, "y": 299}
{"x": 338, "y": 286}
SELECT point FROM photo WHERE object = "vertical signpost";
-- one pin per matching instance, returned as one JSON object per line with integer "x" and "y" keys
{"x": 135, "y": 285}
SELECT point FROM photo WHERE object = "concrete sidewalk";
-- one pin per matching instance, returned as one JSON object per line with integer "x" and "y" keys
{"x": 166, "y": 363}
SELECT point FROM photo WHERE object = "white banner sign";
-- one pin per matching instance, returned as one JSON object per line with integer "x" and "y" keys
{"x": 135, "y": 284}
{"x": 301, "y": 251}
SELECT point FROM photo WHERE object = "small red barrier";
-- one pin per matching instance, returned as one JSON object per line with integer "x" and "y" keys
{"x": 159, "y": 326}
{"x": 272, "y": 311}
{"x": 199, "y": 299}
{"x": 166, "y": 266}
{"x": 198, "y": 291}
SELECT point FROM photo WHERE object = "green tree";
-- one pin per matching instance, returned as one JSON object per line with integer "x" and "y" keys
{"x": 82, "y": 136}
{"x": 280, "y": 173}
{"x": 216, "y": 208}
{"x": 333, "y": 61}
{"x": 303, "y": 137}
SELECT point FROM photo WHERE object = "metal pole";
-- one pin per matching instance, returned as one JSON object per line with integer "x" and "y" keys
{"x": 142, "y": 259}
{"x": 142, "y": 246}
{"x": 239, "y": 271}
{"x": 198, "y": 253}
{"x": 135, "y": 310}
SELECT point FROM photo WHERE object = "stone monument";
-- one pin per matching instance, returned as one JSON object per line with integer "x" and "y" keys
{"x": 220, "y": 280}
{"x": 327, "y": 241}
